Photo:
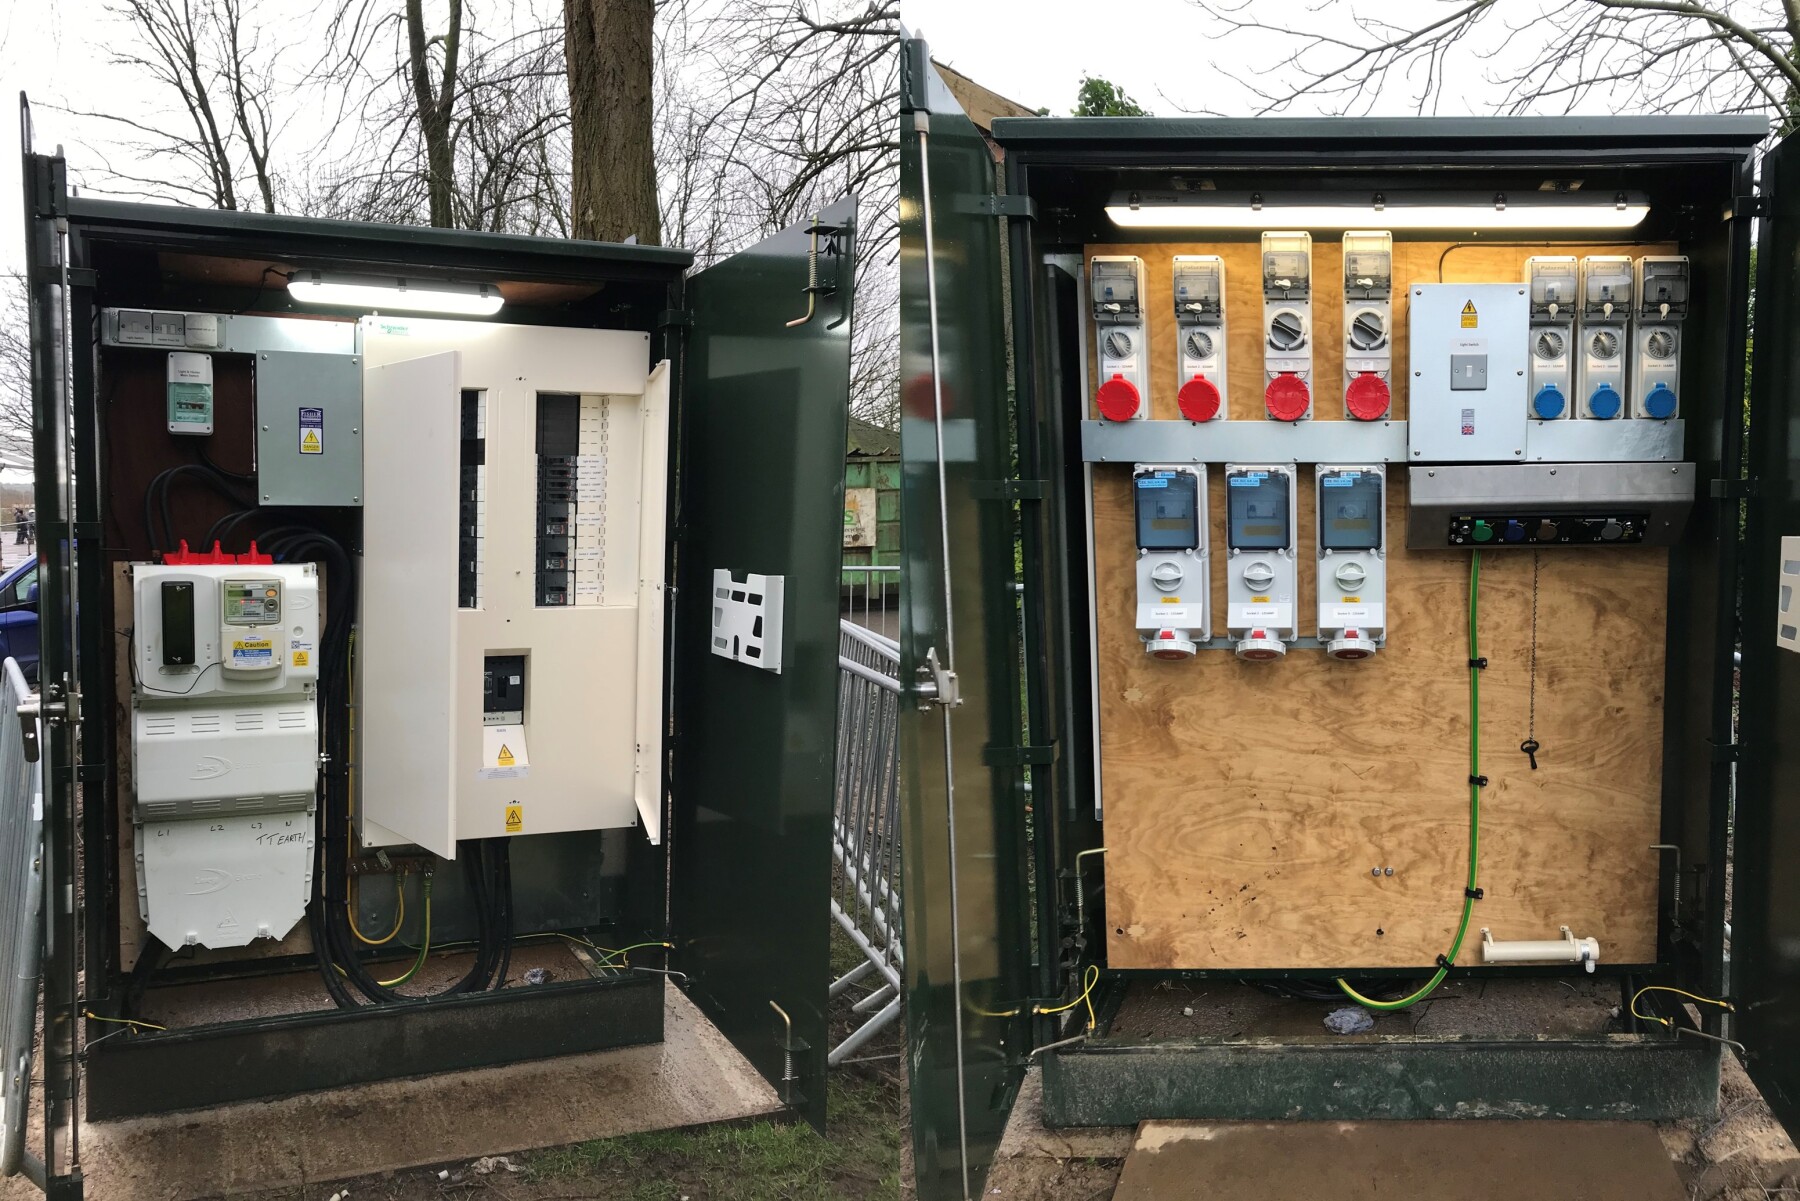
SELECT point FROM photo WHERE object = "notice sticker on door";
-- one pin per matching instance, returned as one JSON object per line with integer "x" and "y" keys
{"x": 312, "y": 431}
{"x": 503, "y": 754}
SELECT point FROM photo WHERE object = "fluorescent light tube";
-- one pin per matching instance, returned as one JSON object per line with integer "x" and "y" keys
{"x": 1174, "y": 210}
{"x": 383, "y": 292}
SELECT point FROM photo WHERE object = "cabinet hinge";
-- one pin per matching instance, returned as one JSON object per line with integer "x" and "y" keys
{"x": 1007, "y": 489}
{"x": 46, "y": 186}
{"x": 1727, "y": 752}
{"x": 1732, "y": 489}
{"x": 680, "y": 318}
{"x": 1005, "y": 204}
{"x": 1017, "y": 756}
{"x": 89, "y": 531}
{"x": 83, "y": 277}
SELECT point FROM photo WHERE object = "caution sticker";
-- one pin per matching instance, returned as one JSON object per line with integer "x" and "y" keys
{"x": 302, "y": 658}
{"x": 312, "y": 431}
{"x": 515, "y": 819}
{"x": 252, "y": 654}
{"x": 1469, "y": 319}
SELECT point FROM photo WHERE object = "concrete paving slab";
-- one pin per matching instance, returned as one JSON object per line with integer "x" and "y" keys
{"x": 693, "y": 1078}
{"x": 1363, "y": 1161}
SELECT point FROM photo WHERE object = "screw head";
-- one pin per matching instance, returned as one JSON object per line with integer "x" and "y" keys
{"x": 1387, "y": 871}
{"x": 1374, "y": 871}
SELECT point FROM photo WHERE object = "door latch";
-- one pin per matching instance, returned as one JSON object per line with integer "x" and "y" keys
{"x": 936, "y": 684}
{"x": 821, "y": 273}
{"x": 32, "y": 714}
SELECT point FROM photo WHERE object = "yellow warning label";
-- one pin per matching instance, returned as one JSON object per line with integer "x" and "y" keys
{"x": 1469, "y": 320}
{"x": 1259, "y": 600}
{"x": 310, "y": 444}
{"x": 302, "y": 658}
{"x": 1171, "y": 600}
{"x": 515, "y": 814}
{"x": 1353, "y": 600}
{"x": 505, "y": 758}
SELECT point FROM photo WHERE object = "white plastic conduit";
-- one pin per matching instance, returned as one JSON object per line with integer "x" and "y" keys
{"x": 1567, "y": 949}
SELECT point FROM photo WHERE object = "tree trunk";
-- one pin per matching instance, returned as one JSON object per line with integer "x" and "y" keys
{"x": 611, "y": 58}
{"x": 434, "y": 110}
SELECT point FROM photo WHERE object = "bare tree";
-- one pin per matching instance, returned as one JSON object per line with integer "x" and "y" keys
{"x": 434, "y": 100}
{"x": 1543, "y": 56}
{"x": 611, "y": 55}
{"x": 15, "y": 363}
{"x": 212, "y": 61}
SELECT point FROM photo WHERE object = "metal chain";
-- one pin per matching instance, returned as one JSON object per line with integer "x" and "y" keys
{"x": 1530, "y": 746}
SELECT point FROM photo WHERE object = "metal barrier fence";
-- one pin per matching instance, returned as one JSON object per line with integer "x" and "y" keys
{"x": 870, "y": 597}
{"x": 865, "y": 844}
{"x": 21, "y": 916}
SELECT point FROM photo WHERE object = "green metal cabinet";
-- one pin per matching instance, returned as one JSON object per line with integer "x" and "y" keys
{"x": 998, "y": 761}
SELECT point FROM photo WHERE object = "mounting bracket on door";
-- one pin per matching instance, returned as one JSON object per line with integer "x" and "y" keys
{"x": 936, "y": 684}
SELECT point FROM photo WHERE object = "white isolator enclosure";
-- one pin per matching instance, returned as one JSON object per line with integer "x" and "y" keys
{"x": 1352, "y": 558}
{"x": 1466, "y": 346}
{"x": 1368, "y": 324}
{"x": 1201, "y": 389}
{"x": 1174, "y": 575}
{"x": 1606, "y": 288}
{"x": 1287, "y": 325}
{"x": 1555, "y": 287}
{"x": 1121, "y": 337}
{"x": 1659, "y": 307}
{"x": 1260, "y": 565}
{"x": 225, "y": 748}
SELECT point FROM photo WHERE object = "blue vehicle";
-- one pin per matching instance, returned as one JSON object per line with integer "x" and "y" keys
{"x": 19, "y": 617}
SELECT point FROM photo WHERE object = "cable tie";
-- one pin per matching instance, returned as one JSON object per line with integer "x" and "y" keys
{"x": 1479, "y": 664}
{"x": 1444, "y": 963}
{"x": 1478, "y": 781}
{"x": 1474, "y": 894}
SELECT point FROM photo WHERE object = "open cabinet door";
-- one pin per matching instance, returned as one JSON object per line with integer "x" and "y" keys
{"x": 965, "y": 883}
{"x": 1765, "y": 943}
{"x": 43, "y": 724}
{"x": 764, "y": 394}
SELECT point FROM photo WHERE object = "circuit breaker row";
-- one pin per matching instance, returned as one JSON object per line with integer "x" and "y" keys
{"x": 1601, "y": 328}
{"x": 1174, "y": 578}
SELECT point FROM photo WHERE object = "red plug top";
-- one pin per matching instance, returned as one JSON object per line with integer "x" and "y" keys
{"x": 214, "y": 557}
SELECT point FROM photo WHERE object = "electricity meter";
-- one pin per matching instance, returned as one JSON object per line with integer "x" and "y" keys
{"x": 1352, "y": 580}
{"x": 1659, "y": 307}
{"x": 1368, "y": 324}
{"x": 1200, "y": 331}
{"x": 1259, "y": 571}
{"x": 1554, "y": 287}
{"x": 1287, "y": 325}
{"x": 1606, "y": 286}
{"x": 250, "y": 638}
{"x": 1116, "y": 288}
{"x": 1174, "y": 585}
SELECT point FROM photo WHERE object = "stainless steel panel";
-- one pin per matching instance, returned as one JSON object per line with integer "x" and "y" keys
{"x": 301, "y": 395}
{"x": 1665, "y": 491}
{"x": 1623, "y": 441}
{"x": 1246, "y": 441}
{"x": 248, "y": 335}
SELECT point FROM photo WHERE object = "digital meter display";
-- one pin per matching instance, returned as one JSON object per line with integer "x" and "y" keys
{"x": 1168, "y": 505}
{"x": 1350, "y": 511}
{"x": 252, "y": 602}
{"x": 1257, "y": 511}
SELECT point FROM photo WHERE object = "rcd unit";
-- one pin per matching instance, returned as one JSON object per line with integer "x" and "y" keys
{"x": 1200, "y": 327}
{"x": 1606, "y": 285}
{"x": 1287, "y": 325}
{"x": 1466, "y": 348}
{"x": 1368, "y": 324}
{"x": 224, "y": 747}
{"x": 1658, "y": 309}
{"x": 1116, "y": 288}
{"x": 1352, "y": 547}
{"x": 1259, "y": 569}
{"x": 1174, "y": 583}
{"x": 1554, "y": 284}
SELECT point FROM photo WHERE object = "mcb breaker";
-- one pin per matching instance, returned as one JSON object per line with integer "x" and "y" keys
{"x": 1287, "y": 325}
{"x": 1174, "y": 582}
{"x": 1352, "y": 564}
{"x": 1116, "y": 292}
{"x": 1554, "y": 285}
{"x": 1260, "y": 565}
{"x": 224, "y": 747}
{"x": 1200, "y": 329}
{"x": 1368, "y": 324}
{"x": 1606, "y": 287}
{"x": 1659, "y": 307}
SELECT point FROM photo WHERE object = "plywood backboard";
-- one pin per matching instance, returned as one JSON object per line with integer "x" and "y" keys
{"x": 1248, "y": 806}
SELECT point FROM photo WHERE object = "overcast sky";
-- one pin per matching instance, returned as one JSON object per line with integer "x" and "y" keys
{"x": 1165, "y": 53}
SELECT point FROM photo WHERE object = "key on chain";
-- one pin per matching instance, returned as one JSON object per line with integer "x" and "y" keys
{"x": 1530, "y": 747}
